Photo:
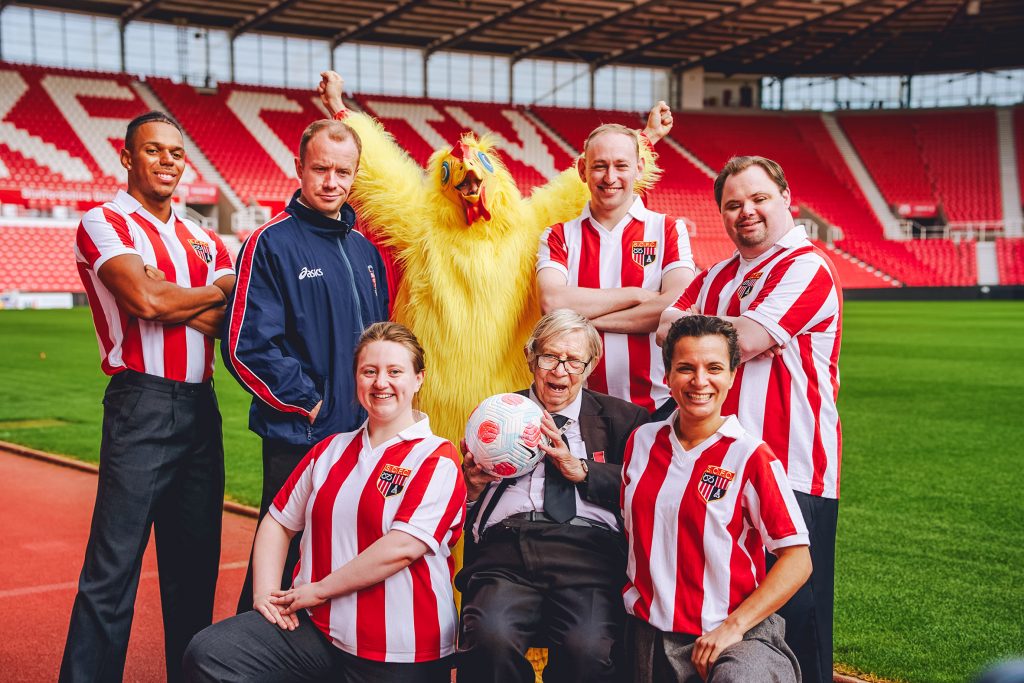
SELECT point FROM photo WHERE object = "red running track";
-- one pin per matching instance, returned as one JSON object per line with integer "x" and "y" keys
{"x": 46, "y": 510}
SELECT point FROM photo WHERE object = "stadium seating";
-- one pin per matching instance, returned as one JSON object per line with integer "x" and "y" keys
{"x": 38, "y": 259}
{"x": 60, "y": 133}
{"x": 1010, "y": 259}
{"x": 947, "y": 158}
{"x": 249, "y": 133}
{"x": 421, "y": 126}
{"x": 887, "y": 145}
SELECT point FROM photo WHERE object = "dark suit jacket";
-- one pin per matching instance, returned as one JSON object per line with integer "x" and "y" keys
{"x": 605, "y": 425}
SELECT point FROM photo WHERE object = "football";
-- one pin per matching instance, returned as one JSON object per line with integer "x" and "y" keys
{"x": 503, "y": 434}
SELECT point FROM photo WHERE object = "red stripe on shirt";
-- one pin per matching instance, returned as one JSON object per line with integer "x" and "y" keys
{"x": 175, "y": 344}
{"x": 778, "y": 410}
{"x": 671, "y": 241}
{"x": 322, "y": 524}
{"x": 712, "y": 301}
{"x": 590, "y": 276}
{"x": 742, "y": 577}
{"x": 692, "y": 293}
{"x": 818, "y": 457}
{"x": 371, "y": 602}
{"x": 557, "y": 251}
{"x": 120, "y": 226}
{"x": 647, "y": 489}
{"x": 638, "y": 345}
{"x": 690, "y": 558}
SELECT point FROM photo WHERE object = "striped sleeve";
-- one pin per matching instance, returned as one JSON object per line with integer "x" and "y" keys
{"x": 553, "y": 251}
{"x": 796, "y": 296}
{"x": 770, "y": 502}
{"x": 678, "y": 253}
{"x": 434, "y": 505}
{"x": 222, "y": 266}
{"x": 692, "y": 294}
{"x": 102, "y": 235}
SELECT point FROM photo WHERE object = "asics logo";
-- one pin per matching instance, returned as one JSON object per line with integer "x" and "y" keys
{"x": 310, "y": 272}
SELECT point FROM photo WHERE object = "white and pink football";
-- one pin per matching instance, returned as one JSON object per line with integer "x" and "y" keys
{"x": 503, "y": 434}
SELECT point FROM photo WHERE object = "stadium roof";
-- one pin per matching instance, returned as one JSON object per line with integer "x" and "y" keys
{"x": 775, "y": 37}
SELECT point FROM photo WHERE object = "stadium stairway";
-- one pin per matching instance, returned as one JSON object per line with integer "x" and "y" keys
{"x": 864, "y": 181}
{"x": 1009, "y": 173}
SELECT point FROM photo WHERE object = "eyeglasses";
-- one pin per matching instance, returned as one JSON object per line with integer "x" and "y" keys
{"x": 572, "y": 366}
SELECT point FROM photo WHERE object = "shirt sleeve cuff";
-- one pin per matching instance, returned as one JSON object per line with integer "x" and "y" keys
{"x": 788, "y": 541}
{"x": 778, "y": 333}
{"x": 284, "y": 521}
{"x": 222, "y": 272}
{"x": 680, "y": 264}
{"x": 422, "y": 535}
{"x": 548, "y": 263}
{"x": 107, "y": 255}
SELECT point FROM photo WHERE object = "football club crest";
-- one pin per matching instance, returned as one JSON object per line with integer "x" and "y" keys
{"x": 391, "y": 480}
{"x": 747, "y": 286}
{"x": 644, "y": 253}
{"x": 714, "y": 483}
{"x": 202, "y": 250}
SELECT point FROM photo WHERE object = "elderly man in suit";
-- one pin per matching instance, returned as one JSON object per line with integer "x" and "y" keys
{"x": 545, "y": 555}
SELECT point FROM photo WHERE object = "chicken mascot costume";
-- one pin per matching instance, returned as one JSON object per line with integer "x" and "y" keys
{"x": 467, "y": 241}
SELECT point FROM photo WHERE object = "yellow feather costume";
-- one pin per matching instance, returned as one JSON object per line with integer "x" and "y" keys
{"x": 468, "y": 290}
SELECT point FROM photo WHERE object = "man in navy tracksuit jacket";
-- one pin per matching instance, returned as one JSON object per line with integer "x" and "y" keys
{"x": 308, "y": 284}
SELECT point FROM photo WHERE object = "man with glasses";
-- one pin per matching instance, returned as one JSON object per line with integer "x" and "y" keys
{"x": 545, "y": 556}
{"x": 620, "y": 265}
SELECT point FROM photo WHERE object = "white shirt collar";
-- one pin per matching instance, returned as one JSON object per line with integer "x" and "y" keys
{"x": 796, "y": 236}
{"x": 636, "y": 210}
{"x": 571, "y": 411}
{"x": 130, "y": 205}
{"x": 731, "y": 429}
{"x": 417, "y": 430}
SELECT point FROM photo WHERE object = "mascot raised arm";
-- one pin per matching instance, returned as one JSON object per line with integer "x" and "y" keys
{"x": 467, "y": 240}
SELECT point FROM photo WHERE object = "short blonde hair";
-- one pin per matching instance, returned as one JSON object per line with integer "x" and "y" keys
{"x": 558, "y": 323}
{"x": 339, "y": 131}
{"x": 612, "y": 128}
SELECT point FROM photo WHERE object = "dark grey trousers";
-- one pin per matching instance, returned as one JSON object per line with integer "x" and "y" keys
{"x": 279, "y": 461}
{"x": 808, "y": 613}
{"x": 761, "y": 657}
{"x": 162, "y": 467}
{"x": 249, "y": 649}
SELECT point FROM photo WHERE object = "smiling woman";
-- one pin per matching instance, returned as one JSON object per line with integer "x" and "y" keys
{"x": 384, "y": 505}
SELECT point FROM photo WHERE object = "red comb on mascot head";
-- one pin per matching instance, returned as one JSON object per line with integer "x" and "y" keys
{"x": 467, "y": 240}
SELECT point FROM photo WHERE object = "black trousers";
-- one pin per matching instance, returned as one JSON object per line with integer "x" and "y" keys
{"x": 162, "y": 467}
{"x": 279, "y": 461}
{"x": 808, "y": 613}
{"x": 248, "y": 648}
{"x": 549, "y": 585}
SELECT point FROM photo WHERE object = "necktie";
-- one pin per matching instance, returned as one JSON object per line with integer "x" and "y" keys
{"x": 559, "y": 492}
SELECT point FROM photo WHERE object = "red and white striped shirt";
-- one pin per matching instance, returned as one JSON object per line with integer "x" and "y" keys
{"x": 636, "y": 253}
{"x": 188, "y": 255}
{"x": 698, "y": 521}
{"x": 346, "y": 495}
{"x": 789, "y": 401}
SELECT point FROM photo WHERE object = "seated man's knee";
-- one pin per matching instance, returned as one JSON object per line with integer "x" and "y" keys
{"x": 197, "y": 660}
{"x": 492, "y": 637}
{"x": 752, "y": 661}
{"x": 584, "y": 650}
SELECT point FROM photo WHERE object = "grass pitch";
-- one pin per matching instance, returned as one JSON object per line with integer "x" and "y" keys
{"x": 931, "y": 528}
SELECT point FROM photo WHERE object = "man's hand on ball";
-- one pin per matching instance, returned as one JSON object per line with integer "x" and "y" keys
{"x": 474, "y": 475}
{"x": 330, "y": 88}
{"x": 558, "y": 453}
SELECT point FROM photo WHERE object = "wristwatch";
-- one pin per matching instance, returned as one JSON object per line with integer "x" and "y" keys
{"x": 586, "y": 470}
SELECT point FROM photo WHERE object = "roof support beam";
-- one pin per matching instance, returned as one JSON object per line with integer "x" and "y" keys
{"x": 572, "y": 34}
{"x": 677, "y": 34}
{"x": 793, "y": 26}
{"x": 138, "y": 9}
{"x": 369, "y": 25}
{"x": 256, "y": 20}
{"x": 789, "y": 29}
{"x": 940, "y": 36}
{"x": 464, "y": 34}
{"x": 873, "y": 25}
